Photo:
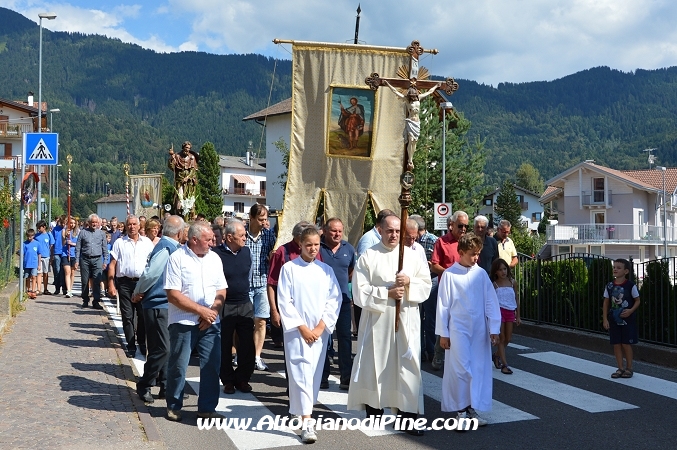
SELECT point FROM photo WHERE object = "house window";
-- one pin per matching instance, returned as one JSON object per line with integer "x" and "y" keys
{"x": 488, "y": 201}
{"x": 562, "y": 249}
{"x": 596, "y": 250}
{"x": 238, "y": 207}
{"x": 536, "y": 217}
{"x": 240, "y": 188}
{"x": 598, "y": 190}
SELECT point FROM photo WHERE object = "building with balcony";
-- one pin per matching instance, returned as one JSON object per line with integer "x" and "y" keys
{"x": 615, "y": 213}
{"x": 532, "y": 210}
{"x": 243, "y": 183}
{"x": 16, "y": 119}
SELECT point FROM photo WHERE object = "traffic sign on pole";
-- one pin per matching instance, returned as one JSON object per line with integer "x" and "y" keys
{"x": 442, "y": 213}
{"x": 41, "y": 148}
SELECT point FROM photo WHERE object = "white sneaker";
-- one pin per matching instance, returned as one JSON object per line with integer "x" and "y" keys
{"x": 69, "y": 295}
{"x": 472, "y": 414}
{"x": 259, "y": 364}
{"x": 308, "y": 435}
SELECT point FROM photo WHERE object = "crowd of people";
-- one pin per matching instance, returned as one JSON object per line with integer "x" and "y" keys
{"x": 211, "y": 289}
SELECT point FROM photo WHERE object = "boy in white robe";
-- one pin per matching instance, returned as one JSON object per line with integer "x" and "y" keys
{"x": 309, "y": 300}
{"x": 468, "y": 323}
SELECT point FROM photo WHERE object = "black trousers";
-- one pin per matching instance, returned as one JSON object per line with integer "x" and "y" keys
{"x": 90, "y": 267}
{"x": 132, "y": 314}
{"x": 237, "y": 317}
{"x": 157, "y": 338}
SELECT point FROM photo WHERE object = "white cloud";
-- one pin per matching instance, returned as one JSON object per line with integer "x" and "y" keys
{"x": 485, "y": 40}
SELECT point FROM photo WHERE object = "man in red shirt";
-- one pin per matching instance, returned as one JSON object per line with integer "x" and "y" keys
{"x": 445, "y": 254}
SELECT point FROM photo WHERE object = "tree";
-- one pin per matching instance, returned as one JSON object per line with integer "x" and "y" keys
{"x": 528, "y": 177}
{"x": 508, "y": 206}
{"x": 464, "y": 161}
{"x": 209, "y": 201}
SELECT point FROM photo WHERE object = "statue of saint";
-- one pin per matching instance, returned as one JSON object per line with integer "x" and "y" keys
{"x": 184, "y": 165}
{"x": 412, "y": 124}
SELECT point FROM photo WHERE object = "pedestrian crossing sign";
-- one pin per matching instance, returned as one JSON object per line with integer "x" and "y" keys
{"x": 41, "y": 148}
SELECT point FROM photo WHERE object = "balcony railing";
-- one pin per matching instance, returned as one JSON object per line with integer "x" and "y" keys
{"x": 598, "y": 233}
{"x": 245, "y": 191}
{"x": 11, "y": 130}
{"x": 596, "y": 198}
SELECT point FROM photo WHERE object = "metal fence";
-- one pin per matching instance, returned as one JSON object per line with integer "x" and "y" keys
{"x": 567, "y": 290}
{"x": 8, "y": 247}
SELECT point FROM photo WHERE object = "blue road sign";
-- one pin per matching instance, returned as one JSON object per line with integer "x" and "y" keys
{"x": 41, "y": 148}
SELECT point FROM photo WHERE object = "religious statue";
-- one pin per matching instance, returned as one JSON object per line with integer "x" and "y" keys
{"x": 184, "y": 166}
{"x": 412, "y": 124}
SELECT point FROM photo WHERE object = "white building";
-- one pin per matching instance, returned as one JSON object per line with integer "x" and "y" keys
{"x": 277, "y": 120}
{"x": 242, "y": 182}
{"x": 532, "y": 210}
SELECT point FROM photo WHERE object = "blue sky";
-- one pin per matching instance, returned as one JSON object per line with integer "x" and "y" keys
{"x": 490, "y": 41}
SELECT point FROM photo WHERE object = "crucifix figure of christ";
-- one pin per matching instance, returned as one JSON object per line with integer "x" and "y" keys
{"x": 410, "y": 83}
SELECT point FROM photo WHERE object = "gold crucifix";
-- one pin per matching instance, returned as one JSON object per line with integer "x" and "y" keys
{"x": 409, "y": 83}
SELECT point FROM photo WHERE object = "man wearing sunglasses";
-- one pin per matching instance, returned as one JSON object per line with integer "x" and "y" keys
{"x": 445, "y": 254}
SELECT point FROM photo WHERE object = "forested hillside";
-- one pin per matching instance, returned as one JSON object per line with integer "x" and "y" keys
{"x": 120, "y": 103}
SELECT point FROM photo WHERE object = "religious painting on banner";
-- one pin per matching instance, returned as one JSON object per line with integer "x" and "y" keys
{"x": 346, "y": 142}
{"x": 350, "y": 127}
{"x": 146, "y": 192}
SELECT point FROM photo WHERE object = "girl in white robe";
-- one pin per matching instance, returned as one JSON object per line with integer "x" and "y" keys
{"x": 468, "y": 323}
{"x": 309, "y": 300}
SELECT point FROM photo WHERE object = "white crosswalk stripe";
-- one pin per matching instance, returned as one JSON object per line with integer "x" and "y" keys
{"x": 500, "y": 412}
{"x": 337, "y": 401}
{"x": 638, "y": 381}
{"x": 246, "y": 405}
{"x": 570, "y": 395}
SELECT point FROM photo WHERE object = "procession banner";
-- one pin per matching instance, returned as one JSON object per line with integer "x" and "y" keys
{"x": 146, "y": 194}
{"x": 346, "y": 140}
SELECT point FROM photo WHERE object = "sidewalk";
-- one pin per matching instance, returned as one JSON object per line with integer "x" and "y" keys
{"x": 63, "y": 383}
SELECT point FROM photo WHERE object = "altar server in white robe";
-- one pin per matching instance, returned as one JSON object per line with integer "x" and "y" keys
{"x": 468, "y": 323}
{"x": 309, "y": 300}
{"x": 387, "y": 366}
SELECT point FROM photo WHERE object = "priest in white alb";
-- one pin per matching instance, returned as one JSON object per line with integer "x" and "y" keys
{"x": 387, "y": 367}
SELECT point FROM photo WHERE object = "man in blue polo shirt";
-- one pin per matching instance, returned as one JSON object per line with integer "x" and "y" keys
{"x": 340, "y": 256}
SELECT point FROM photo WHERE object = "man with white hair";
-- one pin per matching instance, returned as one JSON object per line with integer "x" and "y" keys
{"x": 411, "y": 238}
{"x": 128, "y": 260}
{"x": 196, "y": 289}
{"x": 90, "y": 252}
{"x": 489, "y": 252}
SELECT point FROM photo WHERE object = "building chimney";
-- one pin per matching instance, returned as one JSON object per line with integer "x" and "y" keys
{"x": 30, "y": 99}
{"x": 249, "y": 161}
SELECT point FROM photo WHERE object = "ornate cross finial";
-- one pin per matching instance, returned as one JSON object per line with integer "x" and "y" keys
{"x": 69, "y": 158}
{"x": 144, "y": 165}
{"x": 125, "y": 167}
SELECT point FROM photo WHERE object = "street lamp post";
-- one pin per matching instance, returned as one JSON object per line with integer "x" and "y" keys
{"x": 665, "y": 214}
{"x": 51, "y": 173}
{"x": 48, "y": 16}
{"x": 445, "y": 106}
